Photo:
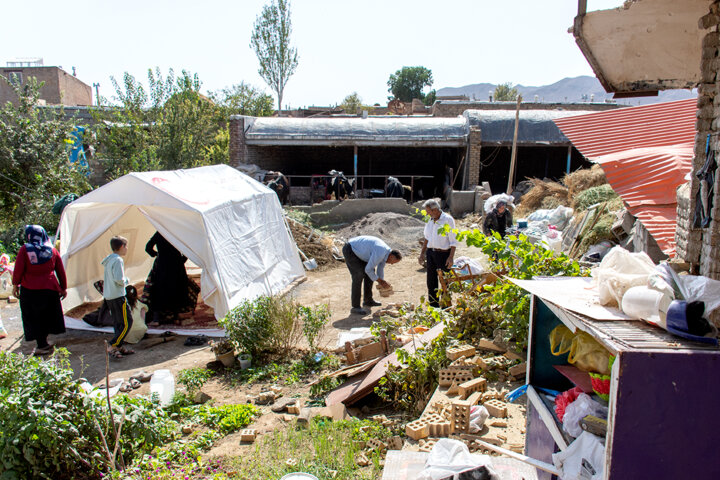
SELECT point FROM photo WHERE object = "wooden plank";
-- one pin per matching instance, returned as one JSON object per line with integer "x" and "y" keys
{"x": 546, "y": 417}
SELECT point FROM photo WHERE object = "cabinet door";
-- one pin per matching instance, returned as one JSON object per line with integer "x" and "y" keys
{"x": 539, "y": 444}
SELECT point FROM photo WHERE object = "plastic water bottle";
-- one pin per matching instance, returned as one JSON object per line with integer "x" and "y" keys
{"x": 162, "y": 383}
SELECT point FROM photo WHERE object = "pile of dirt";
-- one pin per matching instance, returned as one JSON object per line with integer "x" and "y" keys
{"x": 542, "y": 195}
{"x": 313, "y": 244}
{"x": 401, "y": 232}
{"x": 584, "y": 179}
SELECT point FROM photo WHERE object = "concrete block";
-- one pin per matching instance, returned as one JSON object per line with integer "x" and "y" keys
{"x": 463, "y": 350}
{"x": 496, "y": 408}
{"x": 248, "y": 435}
{"x": 462, "y": 202}
{"x": 417, "y": 429}
{"x": 476, "y": 385}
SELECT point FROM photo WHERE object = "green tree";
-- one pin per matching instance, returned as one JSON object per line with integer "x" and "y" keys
{"x": 244, "y": 99}
{"x": 271, "y": 41}
{"x": 408, "y": 83}
{"x": 34, "y": 164}
{"x": 430, "y": 97}
{"x": 174, "y": 126}
{"x": 352, "y": 103}
{"x": 505, "y": 92}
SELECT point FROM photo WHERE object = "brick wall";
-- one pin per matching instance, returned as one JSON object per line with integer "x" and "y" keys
{"x": 703, "y": 245}
{"x": 60, "y": 88}
{"x": 474, "y": 157}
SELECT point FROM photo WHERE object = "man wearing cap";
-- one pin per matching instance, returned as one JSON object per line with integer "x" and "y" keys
{"x": 365, "y": 257}
{"x": 437, "y": 249}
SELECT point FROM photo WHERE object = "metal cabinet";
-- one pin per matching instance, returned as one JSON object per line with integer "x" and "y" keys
{"x": 664, "y": 396}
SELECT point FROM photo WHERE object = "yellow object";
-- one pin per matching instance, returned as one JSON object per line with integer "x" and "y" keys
{"x": 584, "y": 351}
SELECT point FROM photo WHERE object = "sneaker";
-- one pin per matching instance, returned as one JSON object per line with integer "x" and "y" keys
{"x": 371, "y": 303}
{"x": 359, "y": 311}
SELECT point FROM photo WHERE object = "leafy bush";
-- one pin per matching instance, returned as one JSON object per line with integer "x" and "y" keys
{"x": 273, "y": 324}
{"x": 193, "y": 378}
{"x": 146, "y": 424}
{"x": 46, "y": 423}
{"x": 313, "y": 322}
{"x": 225, "y": 418}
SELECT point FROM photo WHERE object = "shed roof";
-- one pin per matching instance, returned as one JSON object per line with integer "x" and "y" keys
{"x": 536, "y": 126}
{"x": 656, "y": 125}
{"x": 372, "y": 131}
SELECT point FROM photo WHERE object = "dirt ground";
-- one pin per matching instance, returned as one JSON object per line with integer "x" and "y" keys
{"x": 331, "y": 286}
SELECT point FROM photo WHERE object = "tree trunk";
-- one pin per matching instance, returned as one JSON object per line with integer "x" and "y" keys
{"x": 279, "y": 103}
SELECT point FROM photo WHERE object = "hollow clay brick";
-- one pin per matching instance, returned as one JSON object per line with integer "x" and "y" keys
{"x": 417, "y": 429}
{"x": 476, "y": 385}
{"x": 248, "y": 435}
{"x": 395, "y": 443}
{"x": 496, "y": 408}
{"x": 461, "y": 351}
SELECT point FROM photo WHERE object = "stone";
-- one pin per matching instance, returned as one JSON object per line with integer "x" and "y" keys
{"x": 265, "y": 398}
{"x": 187, "y": 429}
{"x": 498, "y": 423}
{"x": 201, "y": 397}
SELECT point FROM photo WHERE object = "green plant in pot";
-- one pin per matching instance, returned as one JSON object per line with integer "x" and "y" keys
{"x": 224, "y": 351}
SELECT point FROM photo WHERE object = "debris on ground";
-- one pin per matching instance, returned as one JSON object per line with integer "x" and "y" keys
{"x": 313, "y": 244}
{"x": 399, "y": 231}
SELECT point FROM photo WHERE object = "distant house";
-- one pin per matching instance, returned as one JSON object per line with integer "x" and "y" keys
{"x": 60, "y": 87}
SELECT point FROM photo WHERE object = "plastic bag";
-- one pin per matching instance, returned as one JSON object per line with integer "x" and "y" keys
{"x": 583, "y": 350}
{"x": 583, "y": 459}
{"x": 579, "y": 409}
{"x": 451, "y": 457}
{"x": 560, "y": 216}
{"x": 564, "y": 399}
{"x": 501, "y": 197}
{"x": 560, "y": 340}
{"x": 478, "y": 416}
{"x": 619, "y": 271}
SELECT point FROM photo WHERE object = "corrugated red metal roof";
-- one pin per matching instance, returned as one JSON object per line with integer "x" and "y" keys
{"x": 646, "y": 179}
{"x": 659, "y": 124}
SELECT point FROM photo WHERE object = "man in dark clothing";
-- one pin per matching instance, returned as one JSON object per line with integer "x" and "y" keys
{"x": 365, "y": 257}
{"x": 498, "y": 220}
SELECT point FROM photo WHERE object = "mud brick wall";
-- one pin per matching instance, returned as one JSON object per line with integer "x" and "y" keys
{"x": 703, "y": 245}
{"x": 474, "y": 157}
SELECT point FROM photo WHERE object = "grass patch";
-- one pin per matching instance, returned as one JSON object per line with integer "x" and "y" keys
{"x": 325, "y": 449}
{"x": 283, "y": 372}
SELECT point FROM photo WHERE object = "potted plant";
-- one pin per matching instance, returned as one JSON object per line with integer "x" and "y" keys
{"x": 224, "y": 351}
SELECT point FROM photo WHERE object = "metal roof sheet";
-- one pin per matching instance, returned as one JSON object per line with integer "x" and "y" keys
{"x": 659, "y": 124}
{"x": 356, "y": 131}
{"x": 536, "y": 126}
{"x": 646, "y": 179}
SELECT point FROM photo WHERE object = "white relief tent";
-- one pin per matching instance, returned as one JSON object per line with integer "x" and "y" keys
{"x": 227, "y": 224}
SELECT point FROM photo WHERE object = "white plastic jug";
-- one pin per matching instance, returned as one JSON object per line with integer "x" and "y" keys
{"x": 162, "y": 383}
{"x": 645, "y": 303}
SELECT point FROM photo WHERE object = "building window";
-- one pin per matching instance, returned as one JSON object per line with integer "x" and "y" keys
{"x": 15, "y": 78}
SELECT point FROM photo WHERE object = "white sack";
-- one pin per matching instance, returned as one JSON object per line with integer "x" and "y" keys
{"x": 450, "y": 457}
{"x": 501, "y": 197}
{"x": 619, "y": 271}
{"x": 588, "y": 447}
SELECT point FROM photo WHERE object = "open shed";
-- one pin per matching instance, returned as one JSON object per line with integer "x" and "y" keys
{"x": 226, "y": 223}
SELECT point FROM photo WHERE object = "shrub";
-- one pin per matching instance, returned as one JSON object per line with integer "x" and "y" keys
{"x": 313, "y": 323}
{"x": 249, "y": 325}
{"x": 193, "y": 378}
{"x": 225, "y": 418}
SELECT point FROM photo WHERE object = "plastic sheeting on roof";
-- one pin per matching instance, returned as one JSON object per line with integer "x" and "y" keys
{"x": 659, "y": 124}
{"x": 646, "y": 179}
{"x": 536, "y": 126}
{"x": 356, "y": 131}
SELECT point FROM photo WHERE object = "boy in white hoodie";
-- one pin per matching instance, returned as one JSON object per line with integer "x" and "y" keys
{"x": 115, "y": 304}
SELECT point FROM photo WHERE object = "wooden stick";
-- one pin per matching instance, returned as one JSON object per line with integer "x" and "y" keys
{"x": 523, "y": 458}
{"x": 513, "y": 155}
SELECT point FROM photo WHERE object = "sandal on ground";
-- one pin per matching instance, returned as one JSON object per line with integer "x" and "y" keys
{"x": 126, "y": 351}
{"x": 126, "y": 387}
{"x": 196, "y": 341}
{"x": 115, "y": 354}
{"x": 142, "y": 376}
{"x": 135, "y": 383}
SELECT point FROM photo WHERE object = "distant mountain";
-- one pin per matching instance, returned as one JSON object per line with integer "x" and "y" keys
{"x": 576, "y": 89}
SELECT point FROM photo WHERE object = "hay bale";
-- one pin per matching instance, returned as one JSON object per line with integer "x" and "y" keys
{"x": 541, "y": 192}
{"x": 591, "y": 196}
{"x": 584, "y": 179}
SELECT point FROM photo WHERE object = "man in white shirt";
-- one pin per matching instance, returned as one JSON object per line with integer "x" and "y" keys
{"x": 365, "y": 257}
{"x": 437, "y": 249}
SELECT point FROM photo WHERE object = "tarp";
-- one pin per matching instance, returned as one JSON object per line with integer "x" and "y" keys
{"x": 226, "y": 223}
{"x": 646, "y": 179}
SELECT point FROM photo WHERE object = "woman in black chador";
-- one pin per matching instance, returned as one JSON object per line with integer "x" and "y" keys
{"x": 168, "y": 291}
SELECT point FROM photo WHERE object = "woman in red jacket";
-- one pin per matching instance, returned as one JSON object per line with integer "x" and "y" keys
{"x": 39, "y": 282}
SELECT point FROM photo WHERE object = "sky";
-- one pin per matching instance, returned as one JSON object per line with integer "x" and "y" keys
{"x": 344, "y": 46}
